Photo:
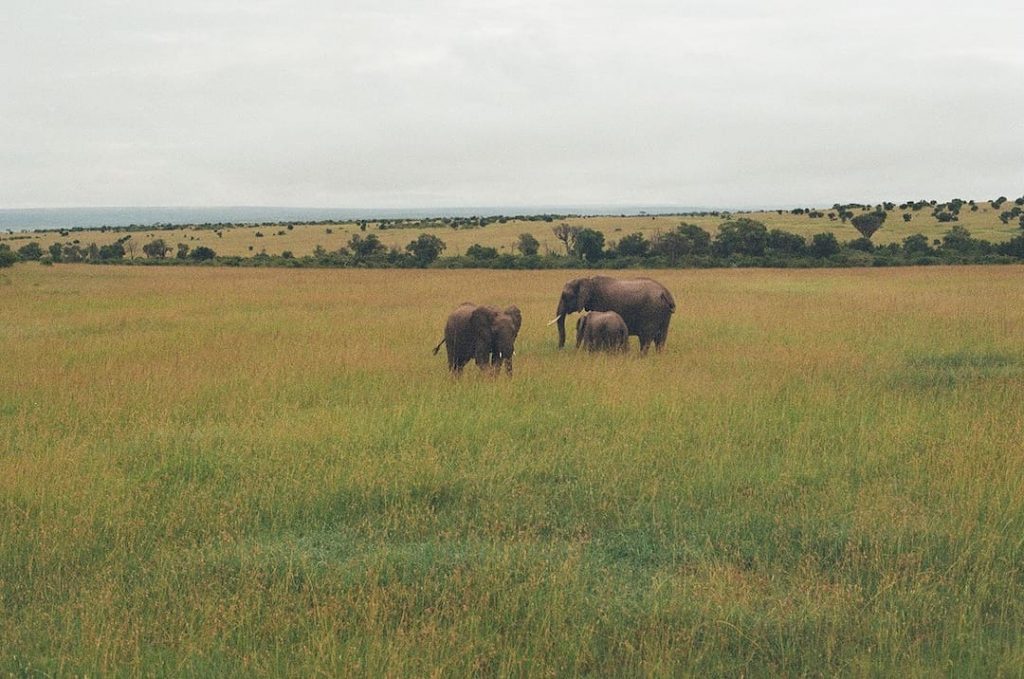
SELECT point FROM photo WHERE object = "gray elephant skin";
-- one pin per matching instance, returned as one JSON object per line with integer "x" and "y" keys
{"x": 645, "y": 305}
{"x": 484, "y": 333}
{"x": 602, "y": 331}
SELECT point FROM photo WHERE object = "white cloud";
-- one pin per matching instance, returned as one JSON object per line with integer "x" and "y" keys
{"x": 401, "y": 103}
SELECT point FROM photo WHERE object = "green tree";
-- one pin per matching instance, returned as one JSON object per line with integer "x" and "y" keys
{"x": 742, "y": 236}
{"x": 958, "y": 239}
{"x": 916, "y": 245}
{"x": 633, "y": 245}
{"x": 425, "y": 249}
{"x": 182, "y": 251}
{"x": 785, "y": 242}
{"x": 869, "y": 222}
{"x": 589, "y": 244}
{"x": 56, "y": 252}
{"x": 684, "y": 240}
{"x": 110, "y": 252}
{"x": 366, "y": 247}
{"x": 527, "y": 244}
{"x": 156, "y": 249}
{"x": 824, "y": 244}
{"x": 7, "y": 256}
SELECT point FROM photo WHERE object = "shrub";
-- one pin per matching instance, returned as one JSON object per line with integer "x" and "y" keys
{"x": 958, "y": 239}
{"x": 201, "y": 254}
{"x": 425, "y": 249}
{"x": 477, "y": 251}
{"x": 527, "y": 245}
{"x": 156, "y": 249}
{"x": 30, "y": 252}
{"x": 907, "y": 216}
{"x": 589, "y": 244}
{"x": 7, "y": 256}
{"x": 107, "y": 253}
{"x": 685, "y": 240}
{"x": 824, "y": 245}
{"x": 861, "y": 244}
{"x": 633, "y": 245}
{"x": 785, "y": 242}
{"x": 182, "y": 251}
{"x": 916, "y": 245}
{"x": 366, "y": 247}
{"x": 743, "y": 236}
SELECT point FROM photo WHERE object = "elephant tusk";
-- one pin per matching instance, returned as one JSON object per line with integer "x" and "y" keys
{"x": 554, "y": 320}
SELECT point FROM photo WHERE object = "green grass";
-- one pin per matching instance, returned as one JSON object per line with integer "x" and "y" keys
{"x": 224, "y": 472}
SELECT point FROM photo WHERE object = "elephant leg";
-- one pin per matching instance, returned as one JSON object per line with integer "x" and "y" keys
{"x": 645, "y": 343}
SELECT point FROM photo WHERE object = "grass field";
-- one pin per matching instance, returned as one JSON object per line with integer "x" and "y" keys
{"x": 303, "y": 239}
{"x": 255, "y": 472}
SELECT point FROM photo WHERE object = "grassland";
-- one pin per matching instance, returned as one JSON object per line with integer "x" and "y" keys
{"x": 255, "y": 472}
{"x": 302, "y": 239}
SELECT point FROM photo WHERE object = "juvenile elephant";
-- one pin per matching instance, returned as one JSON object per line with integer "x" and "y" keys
{"x": 602, "y": 331}
{"x": 645, "y": 305}
{"x": 484, "y": 333}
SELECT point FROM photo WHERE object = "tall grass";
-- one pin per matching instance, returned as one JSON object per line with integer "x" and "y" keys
{"x": 210, "y": 471}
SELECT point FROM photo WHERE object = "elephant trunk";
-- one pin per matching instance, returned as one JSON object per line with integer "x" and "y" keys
{"x": 561, "y": 330}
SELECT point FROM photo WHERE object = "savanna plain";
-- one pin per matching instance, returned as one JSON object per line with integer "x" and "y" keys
{"x": 266, "y": 472}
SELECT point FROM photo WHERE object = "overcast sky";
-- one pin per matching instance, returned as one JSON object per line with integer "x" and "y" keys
{"x": 396, "y": 103}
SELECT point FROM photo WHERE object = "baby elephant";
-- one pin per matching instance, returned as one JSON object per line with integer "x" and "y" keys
{"x": 602, "y": 331}
{"x": 484, "y": 333}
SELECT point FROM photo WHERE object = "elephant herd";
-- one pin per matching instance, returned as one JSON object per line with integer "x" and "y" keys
{"x": 613, "y": 309}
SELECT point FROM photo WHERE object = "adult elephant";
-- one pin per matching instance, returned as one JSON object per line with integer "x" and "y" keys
{"x": 486, "y": 334}
{"x": 602, "y": 331}
{"x": 644, "y": 304}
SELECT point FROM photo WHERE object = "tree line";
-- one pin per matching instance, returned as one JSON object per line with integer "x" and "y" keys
{"x": 739, "y": 242}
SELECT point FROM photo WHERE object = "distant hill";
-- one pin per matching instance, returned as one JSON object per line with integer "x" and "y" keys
{"x": 93, "y": 217}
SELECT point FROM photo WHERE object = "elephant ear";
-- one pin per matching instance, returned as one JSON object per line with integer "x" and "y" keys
{"x": 516, "y": 316}
{"x": 482, "y": 323}
{"x": 584, "y": 298}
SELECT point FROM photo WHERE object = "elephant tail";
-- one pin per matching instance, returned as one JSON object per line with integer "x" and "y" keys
{"x": 438, "y": 347}
{"x": 666, "y": 297}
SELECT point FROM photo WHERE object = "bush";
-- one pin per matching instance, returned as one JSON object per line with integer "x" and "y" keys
{"x": 30, "y": 252}
{"x": 366, "y": 247}
{"x": 741, "y": 237}
{"x": 633, "y": 245}
{"x": 202, "y": 254}
{"x": 7, "y": 256}
{"x": 425, "y": 249}
{"x": 785, "y": 242}
{"x": 111, "y": 252}
{"x": 686, "y": 240}
{"x": 824, "y": 245}
{"x": 916, "y": 245}
{"x": 527, "y": 245}
{"x": 477, "y": 251}
{"x": 589, "y": 245}
{"x": 861, "y": 245}
{"x": 156, "y": 249}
